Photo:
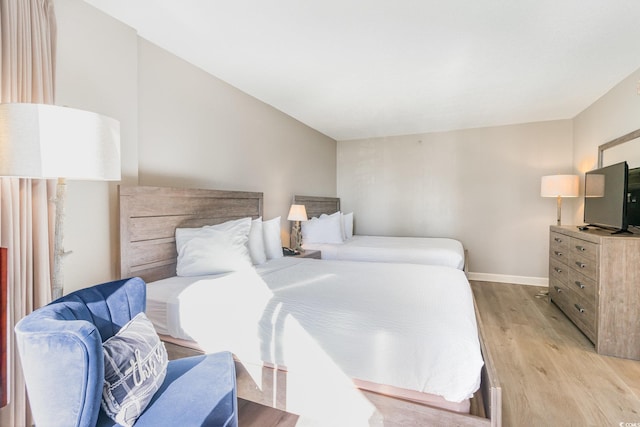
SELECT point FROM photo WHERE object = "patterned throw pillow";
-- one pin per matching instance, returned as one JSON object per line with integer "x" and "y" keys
{"x": 135, "y": 364}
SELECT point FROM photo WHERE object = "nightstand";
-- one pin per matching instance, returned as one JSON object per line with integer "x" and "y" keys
{"x": 310, "y": 254}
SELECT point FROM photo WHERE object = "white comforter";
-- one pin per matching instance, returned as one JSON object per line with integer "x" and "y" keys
{"x": 415, "y": 250}
{"x": 405, "y": 325}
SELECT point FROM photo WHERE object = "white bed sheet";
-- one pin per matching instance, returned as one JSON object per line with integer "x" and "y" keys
{"x": 415, "y": 250}
{"x": 408, "y": 326}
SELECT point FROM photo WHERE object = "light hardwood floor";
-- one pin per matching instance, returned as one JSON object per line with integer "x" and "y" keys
{"x": 549, "y": 371}
{"x": 252, "y": 414}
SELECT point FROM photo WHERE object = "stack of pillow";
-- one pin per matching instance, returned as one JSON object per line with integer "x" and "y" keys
{"x": 231, "y": 246}
{"x": 334, "y": 228}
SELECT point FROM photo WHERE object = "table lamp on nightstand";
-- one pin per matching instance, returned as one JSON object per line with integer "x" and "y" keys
{"x": 297, "y": 213}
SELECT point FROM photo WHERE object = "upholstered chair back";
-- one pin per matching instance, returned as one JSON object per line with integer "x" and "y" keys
{"x": 61, "y": 350}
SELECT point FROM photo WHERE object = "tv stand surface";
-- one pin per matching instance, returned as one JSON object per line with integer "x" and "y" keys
{"x": 621, "y": 232}
{"x": 611, "y": 231}
{"x": 594, "y": 279}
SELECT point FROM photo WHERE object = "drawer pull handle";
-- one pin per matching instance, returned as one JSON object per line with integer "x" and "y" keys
{"x": 557, "y": 253}
{"x": 581, "y": 264}
{"x": 581, "y": 248}
{"x": 558, "y": 270}
{"x": 557, "y": 239}
{"x": 558, "y": 290}
{"x": 579, "y": 284}
{"x": 580, "y": 309}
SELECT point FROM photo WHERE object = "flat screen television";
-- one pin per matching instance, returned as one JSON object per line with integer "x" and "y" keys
{"x": 605, "y": 197}
{"x": 633, "y": 198}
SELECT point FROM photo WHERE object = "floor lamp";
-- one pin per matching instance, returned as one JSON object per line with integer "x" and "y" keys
{"x": 48, "y": 141}
{"x": 559, "y": 186}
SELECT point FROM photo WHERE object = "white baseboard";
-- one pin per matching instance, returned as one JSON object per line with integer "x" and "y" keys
{"x": 516, "y": 280}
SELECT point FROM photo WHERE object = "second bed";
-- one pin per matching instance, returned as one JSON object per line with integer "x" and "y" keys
{"x": 416, "y": 250}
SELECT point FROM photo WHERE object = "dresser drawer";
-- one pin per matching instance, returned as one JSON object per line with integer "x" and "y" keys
{"x": 581, "y": 312}
{"x": 559, "y": 242}
{"x": 583, "y": 285}
{"x": 558, "y": 270}
{"x": 559, "y": 254}
{"x": 584, "y": 265}
{"x": 584, "y": 249}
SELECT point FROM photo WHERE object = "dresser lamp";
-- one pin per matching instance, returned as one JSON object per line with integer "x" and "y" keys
{"x": 297, "y": 213}
{"x": 51, "y": 142}
{"x": 559, "y": 186}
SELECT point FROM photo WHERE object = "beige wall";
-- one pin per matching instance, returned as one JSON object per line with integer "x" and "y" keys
{"x": 615, "y": 114}
{"x": 96, "y": 71}
{"x": 180, "y": 127}
{"x": 198, "y": 131}
{"x": 481, "y": 186}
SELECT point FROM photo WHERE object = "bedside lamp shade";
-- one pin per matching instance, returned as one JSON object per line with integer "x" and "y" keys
{"x": 297, "y": 213}
{"x": 559, "y": 186}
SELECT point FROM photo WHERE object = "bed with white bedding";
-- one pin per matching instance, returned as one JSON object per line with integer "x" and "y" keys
{"x": 321, "y": 233}
{"x": 408, "y": 326}
{"x": 414, "y": 250}
{"x": 307, "y": 331}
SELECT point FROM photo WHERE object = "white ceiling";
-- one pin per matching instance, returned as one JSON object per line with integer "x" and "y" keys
{"x": 365, "y": 68}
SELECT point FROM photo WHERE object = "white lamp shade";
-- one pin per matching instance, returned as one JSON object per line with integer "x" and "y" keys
{"x": 297, "y": 213}
{"x": 560, "y": 185}
{"x": 49, "y": 141}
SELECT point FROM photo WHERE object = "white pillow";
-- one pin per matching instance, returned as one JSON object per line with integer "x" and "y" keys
{"x": 326, "y": 229}
{"x": 212, "y": 252}
{"x": 272, "y": 239}
{"x": 256, "y": 243}
{"x": 336, "y": 214}
{"x": 347, "y": 221}
{"x": 240, "y": 226}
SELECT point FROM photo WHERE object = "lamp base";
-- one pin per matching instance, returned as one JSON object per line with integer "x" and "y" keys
{"x": 296, "y": 236}
{"x": 559, "y": 210}
{"x": 57, "y": 280}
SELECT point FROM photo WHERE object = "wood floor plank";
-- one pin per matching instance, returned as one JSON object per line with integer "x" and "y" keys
{"x": 251, "y": 414}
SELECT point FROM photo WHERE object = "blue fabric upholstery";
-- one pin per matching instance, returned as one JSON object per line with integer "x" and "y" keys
{"x": 60, "y": 348}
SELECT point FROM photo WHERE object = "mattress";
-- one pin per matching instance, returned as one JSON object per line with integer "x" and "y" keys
{"x": 407, "y": 326}
{"x": 415, "y": 250}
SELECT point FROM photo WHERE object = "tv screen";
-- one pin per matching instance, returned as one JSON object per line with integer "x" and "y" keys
{"x": 633, "y": 197}
{"x": 605, "y": 196}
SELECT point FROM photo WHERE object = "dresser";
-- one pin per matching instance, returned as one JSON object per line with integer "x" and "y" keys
{"x": 594, "y": 278}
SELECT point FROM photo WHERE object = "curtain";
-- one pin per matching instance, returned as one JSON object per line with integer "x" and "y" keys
{"x": 27, "y": 211}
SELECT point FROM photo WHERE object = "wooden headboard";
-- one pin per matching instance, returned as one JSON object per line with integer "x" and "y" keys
{"x": 316, "y": 206}
{"x": 149, "y": 217}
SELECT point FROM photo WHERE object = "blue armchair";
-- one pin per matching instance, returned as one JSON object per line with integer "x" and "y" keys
{"x": 61, "y": 351}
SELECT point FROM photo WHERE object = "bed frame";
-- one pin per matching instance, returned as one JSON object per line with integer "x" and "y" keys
{"x": 148, "y": 219}
{"x": 316, "y": 206}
